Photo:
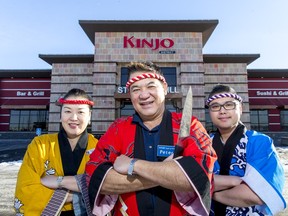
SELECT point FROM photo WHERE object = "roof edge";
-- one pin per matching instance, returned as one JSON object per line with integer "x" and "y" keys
{"x": 230, "y": 58}
{"x": 73, "y": 58}
{"x": 267, "y": 73}
{"x": 16, "y": 73}
{"x": 92, "y": 26}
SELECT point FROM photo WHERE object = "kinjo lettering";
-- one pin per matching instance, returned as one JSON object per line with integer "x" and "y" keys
{"x": 152, "y": 43}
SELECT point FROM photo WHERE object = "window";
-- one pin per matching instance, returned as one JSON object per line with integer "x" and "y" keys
{"x": 259, "y": 120}
{"x": 128, "y": 110}
{"x": 28, "y": 120}
{"x": 168, "y": 72}
{"x": 208, "y": 122}
{"x": 284, "y": 120}
{"x": 170, "y": 76}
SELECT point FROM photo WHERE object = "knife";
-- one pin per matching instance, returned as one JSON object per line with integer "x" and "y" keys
{"x": 185, "y": 124}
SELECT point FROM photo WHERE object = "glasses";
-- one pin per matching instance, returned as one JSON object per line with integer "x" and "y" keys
{"x": 229, "y": 105}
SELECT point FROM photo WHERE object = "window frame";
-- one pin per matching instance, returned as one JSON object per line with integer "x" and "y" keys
{"x": 28, "y": 120}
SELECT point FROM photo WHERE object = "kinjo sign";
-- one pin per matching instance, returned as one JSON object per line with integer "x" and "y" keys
{"x": 152, "y": 43}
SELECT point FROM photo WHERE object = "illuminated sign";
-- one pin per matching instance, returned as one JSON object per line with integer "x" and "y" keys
{"x": 30, "y": 94}
{"x": 123, "y": 90}
{"x": 152, "y": 43}
{"x": 272, "y": 93}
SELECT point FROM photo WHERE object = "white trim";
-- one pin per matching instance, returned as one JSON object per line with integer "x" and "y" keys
{"x": 26, "y": 98}
{"x": 264, "y": 97}
{"x": 263, "y": 189}
{"x": 24, "y": 81}
{"x": 268, "y": 89}
{"x": 4, "y": 115}
{"x": 274, "y": 123}
{"x": 268, "y": 81}
{"x": 273, "y": 115}
{"x": 19, "y": 89}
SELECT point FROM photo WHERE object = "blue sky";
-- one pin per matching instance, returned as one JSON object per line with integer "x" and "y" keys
{"x": 32, "y": 27}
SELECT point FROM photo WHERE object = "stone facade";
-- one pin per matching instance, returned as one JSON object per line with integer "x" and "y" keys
{"x": 65, "y": 77}
{"x": 114, "y": 49}
{"x": 234, "y": 74}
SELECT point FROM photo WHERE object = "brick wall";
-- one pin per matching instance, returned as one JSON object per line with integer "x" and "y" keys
{"x": 101, "y": 78}
{"x": 109, "y": 47}
{"x": 233, "y": 74}
{"x": 104, "y": 86}
{"x": 65, "y": 77}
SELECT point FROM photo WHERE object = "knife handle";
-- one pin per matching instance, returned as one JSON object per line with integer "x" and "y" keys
{"x": 178, "y": 151}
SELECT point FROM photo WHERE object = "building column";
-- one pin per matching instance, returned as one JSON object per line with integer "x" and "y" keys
{"x": 192, "y": 74}
{"x": 104, "y": 87}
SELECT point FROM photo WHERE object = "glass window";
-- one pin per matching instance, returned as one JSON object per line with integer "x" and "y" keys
{"x": 128, "y": 110}
{"x": 28, "y": 120}
{"x": 170, "y": 76}
{"x": 14, "y": 120}
{"x": 259, "y": 120}
{"x": 208, "y": 122}
{"x": 124, "y": 76}
{"x": 284, "y": 120}
{"x": 168, "y": 72}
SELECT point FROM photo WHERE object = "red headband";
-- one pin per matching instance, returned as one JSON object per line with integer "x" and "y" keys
{"x": 144, "y": 76}
{"x": 63, "y": 101}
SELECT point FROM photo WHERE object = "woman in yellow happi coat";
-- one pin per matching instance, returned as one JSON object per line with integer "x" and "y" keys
{"x": 50, "y": 180}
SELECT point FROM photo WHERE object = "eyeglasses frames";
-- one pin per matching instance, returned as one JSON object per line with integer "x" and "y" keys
{"x": 229, "y": 105}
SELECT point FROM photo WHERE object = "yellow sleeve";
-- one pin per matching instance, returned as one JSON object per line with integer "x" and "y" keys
{"x": 30, "y": 195}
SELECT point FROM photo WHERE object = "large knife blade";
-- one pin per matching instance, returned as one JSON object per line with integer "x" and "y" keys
{"x": 185, "y": 124}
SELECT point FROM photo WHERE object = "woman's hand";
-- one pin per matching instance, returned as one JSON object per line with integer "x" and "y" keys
{"x": 50, "y": 181}
{"x": 69, "y": 198}
{"x": 68, "y": 182}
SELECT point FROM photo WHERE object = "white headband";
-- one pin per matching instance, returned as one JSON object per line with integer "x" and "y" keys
{"x": 223, "y": 95}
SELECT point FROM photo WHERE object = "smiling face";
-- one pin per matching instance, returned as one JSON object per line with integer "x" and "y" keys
{"x": 148, "y": 97}
{"x": 226, "y": 120}
{"x": 75, "y": 117}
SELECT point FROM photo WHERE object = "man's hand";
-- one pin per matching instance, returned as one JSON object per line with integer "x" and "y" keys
{"x": 121, "y": 164}
{"x": 224, "y": 182}
{"x": 171, "y": 157}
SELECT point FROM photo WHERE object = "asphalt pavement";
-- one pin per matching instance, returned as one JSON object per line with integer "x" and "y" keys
{"x": 13, "y": 149}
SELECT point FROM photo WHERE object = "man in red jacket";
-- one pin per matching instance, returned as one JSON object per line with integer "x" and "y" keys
{"x": 131, "y": 172}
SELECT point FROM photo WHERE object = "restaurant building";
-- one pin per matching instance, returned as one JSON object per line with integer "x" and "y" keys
{"x": 27, "y": 97}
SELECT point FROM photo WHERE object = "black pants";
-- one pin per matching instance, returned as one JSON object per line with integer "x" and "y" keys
{"x": 67, "y": 213}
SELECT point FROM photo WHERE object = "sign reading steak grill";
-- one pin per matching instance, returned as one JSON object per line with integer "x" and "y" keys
{"x": 153, "y": 43}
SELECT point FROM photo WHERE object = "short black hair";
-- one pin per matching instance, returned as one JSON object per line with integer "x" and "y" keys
{"x": 134, "y": 67}
{"x": 76, "y": 92}
{"x": 220, "y": 89}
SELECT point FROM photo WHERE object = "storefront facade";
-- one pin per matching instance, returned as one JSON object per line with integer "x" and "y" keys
{"x": 24, "y": 99}
{"x": 268, "y": 99}
{"x": 177, "y": 47}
